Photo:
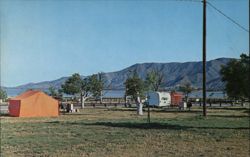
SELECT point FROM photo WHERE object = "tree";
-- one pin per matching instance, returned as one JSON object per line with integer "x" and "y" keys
{"x": 76, "y": 85}
{"x": 154, "y": 80}
{"x": 96, "y": 82}
{"x": 236, "y": 76}
{"x": 3, "y": 94}
{"x": 52, "y": 91}
{"x": 186, "y": 88}
{"x": 135, "y": 89}
{"x": 58, "y": 94}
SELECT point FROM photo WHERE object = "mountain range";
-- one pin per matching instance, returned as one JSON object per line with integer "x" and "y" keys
{"x": 175, "y": 74}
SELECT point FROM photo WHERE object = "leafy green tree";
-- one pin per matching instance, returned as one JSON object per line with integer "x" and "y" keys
{"x": 58, "y": 94}
{"x": 186, "y": 88}
{"x": 52, "y": 91}
{"x": 3, "y": 94}
{"x": 76, "y": 85}
{"x": 236, "y": 76}
{"x": 96, "y": 82}
{"x": 135, "y": 89}
{"x": 154, "y": 80}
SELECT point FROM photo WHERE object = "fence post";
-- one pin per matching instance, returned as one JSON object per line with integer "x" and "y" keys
{"x": 210, "y": 104}
{"x": 242, "y": 102}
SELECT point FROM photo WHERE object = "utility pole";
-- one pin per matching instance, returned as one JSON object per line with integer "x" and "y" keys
{"x": 204, "y": 58}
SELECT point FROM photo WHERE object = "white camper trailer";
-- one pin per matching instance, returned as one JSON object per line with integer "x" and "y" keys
{"x": 159, "y": 99}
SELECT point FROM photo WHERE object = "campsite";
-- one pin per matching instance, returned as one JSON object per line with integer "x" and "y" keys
{"x": 137, "y": 124}
{"x": 124, "y": 78}
{"x": 120, "y": 132}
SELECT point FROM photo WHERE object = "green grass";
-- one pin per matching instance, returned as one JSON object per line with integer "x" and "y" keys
{"x": 120, "y": 132}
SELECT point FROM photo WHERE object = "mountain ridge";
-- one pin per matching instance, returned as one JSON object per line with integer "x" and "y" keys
{"x": 175, "y": 74}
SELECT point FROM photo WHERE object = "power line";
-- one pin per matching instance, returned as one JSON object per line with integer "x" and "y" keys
{"x": 227, "y": 0}
{"x": 229, "y": 18}
{"x": 149, "y": 0}
{"x": 187, "y": 0}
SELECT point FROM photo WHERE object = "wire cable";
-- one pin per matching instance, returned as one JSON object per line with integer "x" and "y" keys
{"x": 187, "y": 0}
{"x": 229, "y": 18}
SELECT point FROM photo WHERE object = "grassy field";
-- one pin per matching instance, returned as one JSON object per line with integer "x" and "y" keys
{"x": 118, "y": 132}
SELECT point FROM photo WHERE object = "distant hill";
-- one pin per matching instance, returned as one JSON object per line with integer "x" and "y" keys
{"x": 175, "y": 74}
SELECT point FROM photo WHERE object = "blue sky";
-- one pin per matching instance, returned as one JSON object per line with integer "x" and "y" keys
{"x": 47, "y": 39}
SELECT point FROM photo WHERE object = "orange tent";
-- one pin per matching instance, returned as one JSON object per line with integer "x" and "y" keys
{"x": 33, "y": 103}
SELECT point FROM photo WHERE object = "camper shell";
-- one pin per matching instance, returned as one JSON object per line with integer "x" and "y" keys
{"x": 159, "y": 99}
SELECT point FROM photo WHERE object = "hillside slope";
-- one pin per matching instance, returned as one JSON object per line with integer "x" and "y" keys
{"x": 175, "y": 74}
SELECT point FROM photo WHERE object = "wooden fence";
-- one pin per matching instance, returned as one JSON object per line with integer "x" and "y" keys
{"x": 106, "y": 102}
{"x": 219, "y": 102}
{"x": 115, "y": 102}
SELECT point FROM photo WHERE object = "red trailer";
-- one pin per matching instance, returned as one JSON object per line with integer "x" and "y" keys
{"x": 176, "y": 98}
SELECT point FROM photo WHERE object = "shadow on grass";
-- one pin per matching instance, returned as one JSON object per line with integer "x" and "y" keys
{"x": 143, "y": 125}
{"x": 160, "y": 110}
{"x": 76, "y": 114}
{"x": 53, "y": 122}
{"x": 229, "y": 116}
{"x": 122, "y": 109}
{"x": 230, "y": 108}
{"x": 135, "y": 125}
{"x": 5, "y": 115}
{"x": 177, "y": 111}
{"x": 247, "y": 111}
